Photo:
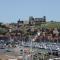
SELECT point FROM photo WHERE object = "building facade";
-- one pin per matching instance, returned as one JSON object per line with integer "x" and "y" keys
{"x": 33, "y": 20}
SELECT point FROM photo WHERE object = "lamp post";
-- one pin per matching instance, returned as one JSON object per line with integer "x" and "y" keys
{"x": 51, "y": 51}
{"x": 23, "y": 48}
{"x": 32, "y": 40}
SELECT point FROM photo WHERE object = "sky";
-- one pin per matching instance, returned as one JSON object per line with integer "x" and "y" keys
{"x": 12, "y": 10}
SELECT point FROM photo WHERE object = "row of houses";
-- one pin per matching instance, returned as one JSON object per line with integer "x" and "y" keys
{"x": 18, "y": 27}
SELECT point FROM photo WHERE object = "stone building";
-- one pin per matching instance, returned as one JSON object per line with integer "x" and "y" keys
{"x": 33, "y": 20}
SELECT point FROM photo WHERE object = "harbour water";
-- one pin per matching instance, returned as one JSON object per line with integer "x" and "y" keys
{"x": 26, "y": 49}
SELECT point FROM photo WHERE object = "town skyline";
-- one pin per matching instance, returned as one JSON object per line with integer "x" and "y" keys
{"x": 27, "y": 20}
